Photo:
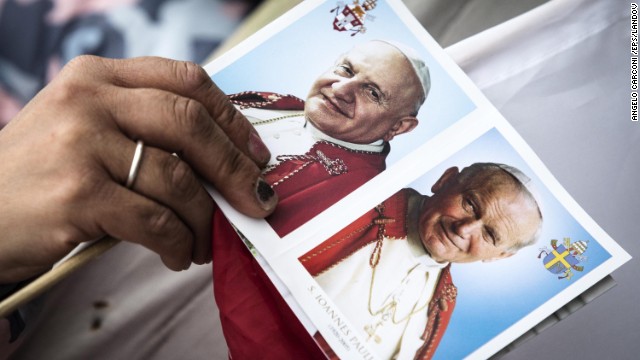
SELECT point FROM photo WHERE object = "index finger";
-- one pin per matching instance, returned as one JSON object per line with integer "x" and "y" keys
{"x": 190, "y": 80}
{"x": 182, "y": 125}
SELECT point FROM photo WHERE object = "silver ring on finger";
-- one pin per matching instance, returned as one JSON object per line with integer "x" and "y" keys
{"x": 135, "y": 164}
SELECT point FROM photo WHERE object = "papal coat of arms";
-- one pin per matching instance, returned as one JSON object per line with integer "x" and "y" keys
{"x": 564, "y": 258}
{"x": 352, "y": 17}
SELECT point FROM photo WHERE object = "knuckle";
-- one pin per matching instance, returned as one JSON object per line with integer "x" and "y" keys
{"x": 191, "y": 117}
{"x": 66, "y": 236}
{"x": 173, "y": 238}
{"x": 67, "y": 90}
{"x": 83, "y": 65}
{"x": 186, "y": 110}
{"x": 72, "y": 140}
{"x": 162, "y": 222}
{"x": 192, "y": 75}
{"x": 79, "y": 79}
{"x": 81, "y": 62}
{"x": 232, "y": 121}
{"x": 78, "y": 184}
{"x": 233, "y": 165}
{"x": 180, "y": 178}
{"x": 71, "y": 134}
{"x": 226, "y": 115}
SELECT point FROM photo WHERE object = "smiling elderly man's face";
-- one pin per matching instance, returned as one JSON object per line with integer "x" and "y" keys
{"x": 371, "y": 93}
{"x": 484, "y": 217}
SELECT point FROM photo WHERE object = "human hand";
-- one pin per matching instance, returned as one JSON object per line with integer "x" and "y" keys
{"x": 64, "y": 160}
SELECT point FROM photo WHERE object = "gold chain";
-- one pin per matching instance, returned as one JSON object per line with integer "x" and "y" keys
{"x": 262, "y": 122}
{"x": 393, "y": 304}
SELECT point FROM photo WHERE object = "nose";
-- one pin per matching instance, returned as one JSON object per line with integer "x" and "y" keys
{"x": 344, "y": 89}
{"x": 467, "y": 227}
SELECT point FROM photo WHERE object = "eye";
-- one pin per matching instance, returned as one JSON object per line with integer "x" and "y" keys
{"x": 344, "y": 70}
{"x": 374, "y": 94}
{"x": 469, "y": 205}
{"x": 488, "y": 234}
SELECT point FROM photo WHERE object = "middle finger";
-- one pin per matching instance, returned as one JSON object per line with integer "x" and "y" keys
{"x": 170, "y": 181}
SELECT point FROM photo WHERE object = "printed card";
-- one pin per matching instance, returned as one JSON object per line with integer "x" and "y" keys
{"x": 414, "y": 222}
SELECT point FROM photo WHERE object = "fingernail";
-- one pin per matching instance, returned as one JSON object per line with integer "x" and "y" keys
{"x": 258, "y": 149}
{"x": 187, "y": 265}
{"x": 266, "y": 195}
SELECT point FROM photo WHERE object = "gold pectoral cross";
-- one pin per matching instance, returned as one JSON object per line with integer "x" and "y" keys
{"x": 385, "y": 314}
{"x": 371, "y": 331}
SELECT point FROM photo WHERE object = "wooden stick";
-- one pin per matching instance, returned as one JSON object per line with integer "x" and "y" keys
{"x": 53, "y": 276}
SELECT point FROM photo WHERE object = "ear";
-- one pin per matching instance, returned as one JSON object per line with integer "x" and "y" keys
{"x": 404, "y": 125}
{"x": 503, "y": 255}
{"x": 445, "y": 178}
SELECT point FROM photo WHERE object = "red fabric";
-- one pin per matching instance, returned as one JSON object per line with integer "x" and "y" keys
{"x": 440, "y": 310}
{"x": 306, "y": 187}
{"x": 256, "y": 321}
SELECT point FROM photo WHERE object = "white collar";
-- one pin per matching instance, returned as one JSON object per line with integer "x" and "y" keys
{"x": 376, "y": 146}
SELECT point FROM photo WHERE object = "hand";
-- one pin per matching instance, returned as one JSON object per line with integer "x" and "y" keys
{"x": 66, "y": 156}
